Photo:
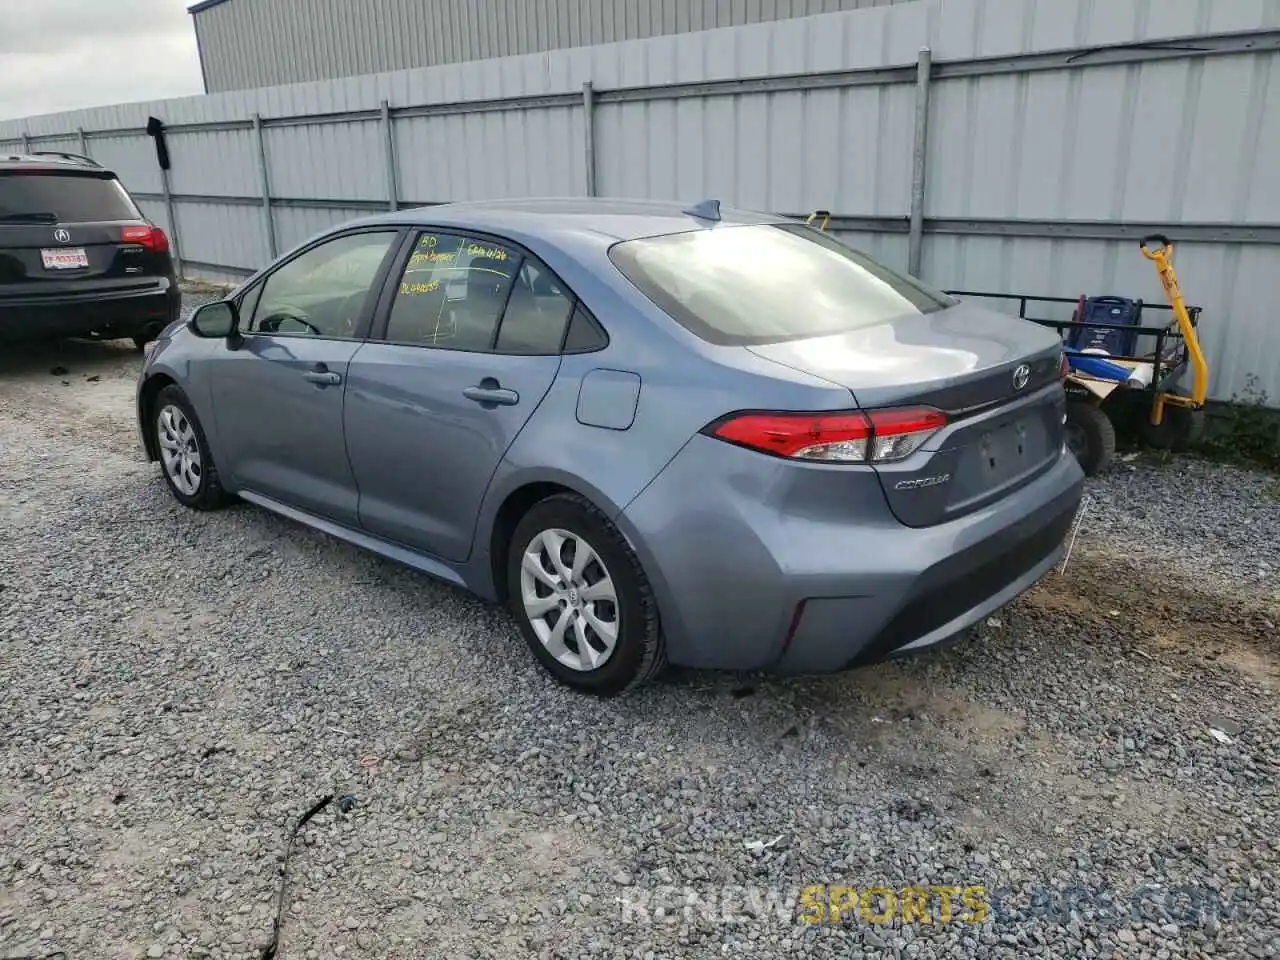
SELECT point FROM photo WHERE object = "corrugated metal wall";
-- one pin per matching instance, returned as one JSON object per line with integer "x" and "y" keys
{"x": 1046, "y": 157}
{"x": 260, "y": 43}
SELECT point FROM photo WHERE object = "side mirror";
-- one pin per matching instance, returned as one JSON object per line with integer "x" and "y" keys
{"x": 215, "y": 320}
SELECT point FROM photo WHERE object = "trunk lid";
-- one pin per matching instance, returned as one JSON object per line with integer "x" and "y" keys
{"x": 61, "y": 232}
{"x": 22, "y": 256}
{"x": 995, "y": 376}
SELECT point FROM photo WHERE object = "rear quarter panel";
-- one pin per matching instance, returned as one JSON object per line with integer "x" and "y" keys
{"x": 685, "y": 384}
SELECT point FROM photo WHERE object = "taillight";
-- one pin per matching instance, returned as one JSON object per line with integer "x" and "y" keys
{"x": 873, "y": 436}
{"x": 153, "y": 238}
{"x": 806, "y": 436}
{"x": 900, "y": 433}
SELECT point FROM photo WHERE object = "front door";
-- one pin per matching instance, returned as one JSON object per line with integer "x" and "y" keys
{"x": 278, "y": 395}
{"x": 472, "y": 345}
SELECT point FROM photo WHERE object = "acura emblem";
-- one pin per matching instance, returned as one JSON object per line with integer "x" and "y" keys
{"x": 1021, "y": 376}
{"x": 62, "y": 236}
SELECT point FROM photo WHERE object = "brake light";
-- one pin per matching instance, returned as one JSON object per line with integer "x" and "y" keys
{"x": 153, "y": 238}
{"x": 873, "y": 436}
{"x": 900, "y": 433}
{"x": 806, "y": 436}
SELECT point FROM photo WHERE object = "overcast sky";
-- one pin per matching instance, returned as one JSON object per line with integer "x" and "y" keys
{"x": 66, "y": 54}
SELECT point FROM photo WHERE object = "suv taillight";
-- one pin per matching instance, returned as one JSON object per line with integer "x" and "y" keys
{"x": 153, "y": 238}
{"x": 873, "y": 436}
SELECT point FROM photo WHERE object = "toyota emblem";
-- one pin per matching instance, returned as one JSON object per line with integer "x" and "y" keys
{"x": 62, "y": 236}
{"x": 1021, "y": 376}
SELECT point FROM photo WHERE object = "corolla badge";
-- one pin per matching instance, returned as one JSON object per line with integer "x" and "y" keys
{"x": 921, "y": 482}
{"x": 62, "y": 236}
{"x": 1021, "y": 376}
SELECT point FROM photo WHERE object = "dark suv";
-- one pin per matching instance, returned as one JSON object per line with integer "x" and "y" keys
{"x": 77, "y": 257}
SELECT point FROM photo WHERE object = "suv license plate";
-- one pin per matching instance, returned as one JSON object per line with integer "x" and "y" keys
{"x": 72, "y": 258}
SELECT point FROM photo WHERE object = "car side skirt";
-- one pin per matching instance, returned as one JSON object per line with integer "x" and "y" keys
{"x": 392, "y": 551}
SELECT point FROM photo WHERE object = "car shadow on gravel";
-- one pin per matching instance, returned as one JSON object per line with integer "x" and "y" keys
{"x": 63, "y": 358}
{"x": 1067, "y": 708}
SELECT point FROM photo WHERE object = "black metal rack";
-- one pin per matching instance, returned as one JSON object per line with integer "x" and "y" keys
{"x": 1170, "y": 353}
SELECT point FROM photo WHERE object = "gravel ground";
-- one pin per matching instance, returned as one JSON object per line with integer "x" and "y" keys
{"x": 179, "y": 688}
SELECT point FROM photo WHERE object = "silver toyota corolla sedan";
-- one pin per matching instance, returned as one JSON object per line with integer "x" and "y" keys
{"x": 657, "y": 433}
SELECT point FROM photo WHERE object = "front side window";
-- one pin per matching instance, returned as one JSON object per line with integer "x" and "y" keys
{"x": 248, "y": 302}
{"x": 452, "y": 292}
{"x": 764, "y": 283}
{"x": 323, "y": 292}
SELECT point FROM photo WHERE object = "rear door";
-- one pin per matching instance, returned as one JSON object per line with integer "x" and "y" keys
{"x": 63, "y": 231}
{"x": 278, "y": 393}
{"x": 470, "y": 347}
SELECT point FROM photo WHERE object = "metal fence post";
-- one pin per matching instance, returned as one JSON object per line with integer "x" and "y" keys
{"x": 173, "y": 222}
{"x": 919, "y": 160}
{"x": 589, "y": 134}
{"x": 26, "y": 142}
{"x": 389, "y": 150}
{"x": 264, "y": 181}
{"x": 84, "y": 142}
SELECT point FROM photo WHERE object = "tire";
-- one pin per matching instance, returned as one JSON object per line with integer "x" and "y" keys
{"x": 637, "y": 653}
{"x": 1091, "y": 436}
{"x": 173, "y": 419}
{"x": 1180, "y": 428}
{"x": 141, "y": 341}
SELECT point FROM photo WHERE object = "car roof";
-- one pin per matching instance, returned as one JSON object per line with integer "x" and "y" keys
{"x": 53, "y": 163}
{"x": 547, "y": 218}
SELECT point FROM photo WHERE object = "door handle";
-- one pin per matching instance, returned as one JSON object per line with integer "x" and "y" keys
{"x": 488, "y": 391}
{"x": 323, "y": 378}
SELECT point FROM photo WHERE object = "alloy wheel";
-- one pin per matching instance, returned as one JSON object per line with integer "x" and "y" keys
{"x": 570, "y": 599}
{"x": 179, "y": 450}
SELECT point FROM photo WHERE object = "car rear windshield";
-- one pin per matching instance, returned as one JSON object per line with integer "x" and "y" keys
{"x": 63, "y": 198}
{"x": 738, "y": 285}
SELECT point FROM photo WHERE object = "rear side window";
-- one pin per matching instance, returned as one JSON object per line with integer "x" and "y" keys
{"x": 452, "y": 292}
{"x": 737, "y": 285}
{"x": 584, "y": 335}
{"x": 63, "y": 198}
{"x": 536, "y": 313}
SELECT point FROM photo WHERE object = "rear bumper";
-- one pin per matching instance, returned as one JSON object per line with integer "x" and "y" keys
{"x": 936, "y": 604}
{"x": 103, "y": 314}
{"x": 746, "y": 580}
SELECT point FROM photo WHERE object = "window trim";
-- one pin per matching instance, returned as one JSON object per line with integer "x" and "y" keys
{"x": 372, "y": 298}
{"x": 386, "y": 300}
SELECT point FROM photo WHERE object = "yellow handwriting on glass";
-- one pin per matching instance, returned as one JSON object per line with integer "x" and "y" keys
{"x": 489, "y": 253}
{"x": 413, "y": 289}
